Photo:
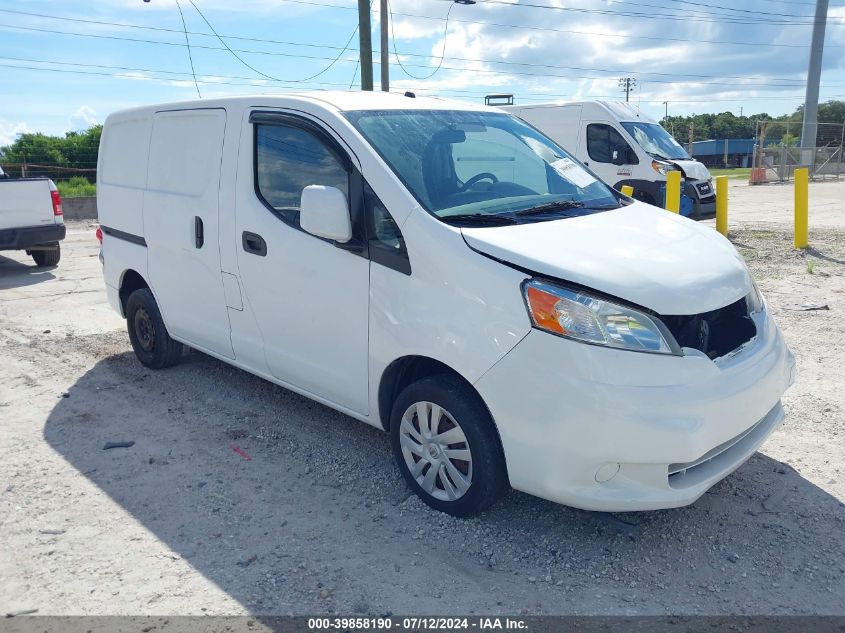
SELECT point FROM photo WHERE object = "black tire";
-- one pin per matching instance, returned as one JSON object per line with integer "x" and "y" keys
{"x": 489, "y": 479}
{"x": 150, "y": 340}
{"x": 47, "y": 258}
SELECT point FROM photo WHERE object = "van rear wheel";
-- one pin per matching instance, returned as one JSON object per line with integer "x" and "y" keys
{"x": 447, "y": 447}
{"x": 47, "y": 257}
{"x": 147, "y": 333}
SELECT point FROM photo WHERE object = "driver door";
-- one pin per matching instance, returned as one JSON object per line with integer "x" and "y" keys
{"x": 611, "y": 157}
{"x": 310, "y": 297}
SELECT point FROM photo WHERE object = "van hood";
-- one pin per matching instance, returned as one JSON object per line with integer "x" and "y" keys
{"x": 693, "y": 169}
{"x": 639, "y": 253}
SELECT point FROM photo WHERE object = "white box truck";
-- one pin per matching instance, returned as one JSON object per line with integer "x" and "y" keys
{"x": 624, "y": 147}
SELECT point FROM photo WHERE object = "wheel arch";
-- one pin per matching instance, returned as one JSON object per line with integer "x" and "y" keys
{"x": 409, "y": 369}
{"x": 130, "y": 281}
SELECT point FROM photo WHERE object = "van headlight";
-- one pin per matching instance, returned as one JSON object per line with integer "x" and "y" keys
{"x": 662, "y": 168}
{"x": 754, "y": 299}
{"x": 582, "y": 317}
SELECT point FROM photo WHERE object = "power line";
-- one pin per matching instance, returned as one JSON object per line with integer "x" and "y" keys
{"x": 223, "y": 42}
{"x": 765, "y": 84}
{"x": 538, "y": 28}
{"x": 188, "y": 44}
{"x": 649, "y": 16}
{"x": 526, "y": 96}
{"x": 255, "y": 70}
{"x": 442, "y": 53}
{"x": 717, "y": 8}
{"x": 768, "y": 80}
{"x": 410, "y": 15}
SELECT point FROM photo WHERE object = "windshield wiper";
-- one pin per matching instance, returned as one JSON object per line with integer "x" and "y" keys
{"x": 480, "y": 219}
{"x": 560, "y": 205}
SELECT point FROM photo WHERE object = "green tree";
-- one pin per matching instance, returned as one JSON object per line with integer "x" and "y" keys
{"x": 75, "y": 150}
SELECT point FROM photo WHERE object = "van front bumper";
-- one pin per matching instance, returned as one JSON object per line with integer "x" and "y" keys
{"x": 611, "y": 430}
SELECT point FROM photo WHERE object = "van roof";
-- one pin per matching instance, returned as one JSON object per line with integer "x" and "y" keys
{"x": 619, "y": 110}
{"x": 341, "y": 101}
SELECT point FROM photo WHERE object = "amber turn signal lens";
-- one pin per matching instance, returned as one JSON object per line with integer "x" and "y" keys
{"x": 542, "y": 305}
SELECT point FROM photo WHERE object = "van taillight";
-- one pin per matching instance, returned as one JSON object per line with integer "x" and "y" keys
{"x": 57, "y": 202}
{"x": 99, "y": 234}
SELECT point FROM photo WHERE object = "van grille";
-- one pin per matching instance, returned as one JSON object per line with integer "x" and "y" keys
{"x": 715, "y": 333}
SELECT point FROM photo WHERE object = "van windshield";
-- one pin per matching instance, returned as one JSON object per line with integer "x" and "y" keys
{"x": 655, "y": 140}
{"x": 487, "y": 167}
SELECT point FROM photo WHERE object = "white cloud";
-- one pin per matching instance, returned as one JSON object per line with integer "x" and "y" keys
{"x": 9, "y": 130}
{"x": 84, "y": 117}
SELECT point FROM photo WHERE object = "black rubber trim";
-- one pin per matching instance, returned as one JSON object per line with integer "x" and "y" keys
{"x": 24, "y": 237}
{"x": 123, "y": 235}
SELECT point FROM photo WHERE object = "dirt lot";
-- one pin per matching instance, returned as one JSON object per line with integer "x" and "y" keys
{"x": 318, "y": 520}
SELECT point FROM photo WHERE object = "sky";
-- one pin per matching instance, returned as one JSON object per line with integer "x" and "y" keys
{"x": 65, "y": 65}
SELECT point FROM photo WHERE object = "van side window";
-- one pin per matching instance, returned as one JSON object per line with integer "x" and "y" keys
{"x": 603, "y": 140}
{"x": 288, "y": 159}
{"x": 387, "y": 246}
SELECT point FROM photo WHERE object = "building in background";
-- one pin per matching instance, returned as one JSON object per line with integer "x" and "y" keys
{"x": 734, "y": 152}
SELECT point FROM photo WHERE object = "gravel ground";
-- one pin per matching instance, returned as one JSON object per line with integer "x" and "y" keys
{"x": 317, "y": 520}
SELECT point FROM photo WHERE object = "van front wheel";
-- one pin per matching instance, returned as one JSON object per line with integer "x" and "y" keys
{"x": 446, "y": 446}
{"x": 150, "y": 340}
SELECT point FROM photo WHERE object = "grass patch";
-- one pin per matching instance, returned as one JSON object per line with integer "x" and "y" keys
{"x": 76, "y": 187}
{"x": 738, "y": 172}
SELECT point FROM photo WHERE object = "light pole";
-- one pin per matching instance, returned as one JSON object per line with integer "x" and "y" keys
{"x": 814, "y": 72}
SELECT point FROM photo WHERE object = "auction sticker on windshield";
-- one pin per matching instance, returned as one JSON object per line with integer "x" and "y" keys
{"x": 573, "y": 172}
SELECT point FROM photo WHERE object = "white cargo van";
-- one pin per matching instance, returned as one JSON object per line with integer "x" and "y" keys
{"x": 624, "y": 147}
{"x": 529, "y": 328}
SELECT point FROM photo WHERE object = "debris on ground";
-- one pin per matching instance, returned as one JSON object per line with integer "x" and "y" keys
{"x": 109, "y": 445}
{"x": 241, "y": 452}
{"x": 806, "y": 306}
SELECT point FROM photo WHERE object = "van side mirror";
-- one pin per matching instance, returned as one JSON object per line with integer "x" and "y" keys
{"x": 324, "y": 212}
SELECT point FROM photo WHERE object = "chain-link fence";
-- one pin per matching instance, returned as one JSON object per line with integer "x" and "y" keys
{"x": 73, "y": 182}
{"x": 777, "y": 152}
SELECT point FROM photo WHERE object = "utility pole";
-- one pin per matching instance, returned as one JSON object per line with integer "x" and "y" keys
{"x": 666, "y": 118}
{"x": 627, "y": 84}
{"x": 365, "y": 39}
{"x": 385, "y": 62}
{"x": 691, "y": 130}
{"x": 811, "y": 101}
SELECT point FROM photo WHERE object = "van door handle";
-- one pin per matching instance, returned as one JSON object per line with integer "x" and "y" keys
{"x": 254, "y": 243}
{"x": 199, "y": 233}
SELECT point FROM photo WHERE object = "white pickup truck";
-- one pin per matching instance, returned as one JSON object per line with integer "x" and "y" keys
{"x": 31, "y": 218}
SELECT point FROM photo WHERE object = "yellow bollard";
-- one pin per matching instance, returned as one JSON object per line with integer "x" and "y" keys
{"x": 673, "y": 191}
{"x": 801, "y": 207}
{"x": 722, "y": 205}
{"x": 627, "y": 190}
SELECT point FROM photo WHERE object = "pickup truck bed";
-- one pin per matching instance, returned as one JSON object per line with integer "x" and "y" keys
{"x": 31, "y": 218}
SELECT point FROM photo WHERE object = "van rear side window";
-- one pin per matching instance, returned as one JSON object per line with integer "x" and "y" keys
{"x": 287, "y": 160}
